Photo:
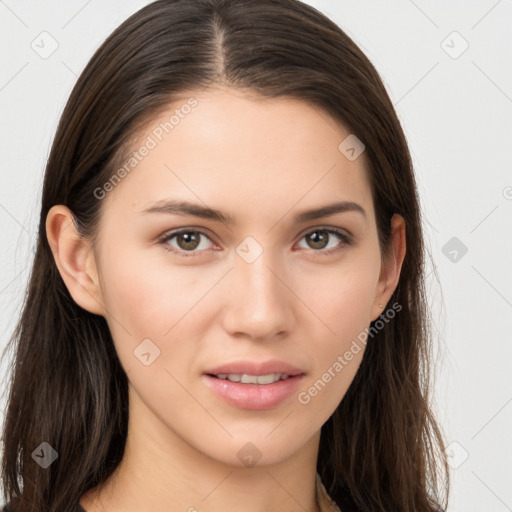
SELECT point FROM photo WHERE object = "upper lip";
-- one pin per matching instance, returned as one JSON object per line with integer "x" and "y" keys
{"x": 255, "y": 368}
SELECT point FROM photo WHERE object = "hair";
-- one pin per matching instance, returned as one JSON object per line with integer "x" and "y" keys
{"x": 381, "y": 449}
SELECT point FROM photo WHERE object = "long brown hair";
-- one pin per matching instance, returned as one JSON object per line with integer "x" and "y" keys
{"x": 381, "y": 450}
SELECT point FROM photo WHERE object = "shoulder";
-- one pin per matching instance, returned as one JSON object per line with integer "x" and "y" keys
{"x": 6, "y": 509}
{"x": 325, "y": 502}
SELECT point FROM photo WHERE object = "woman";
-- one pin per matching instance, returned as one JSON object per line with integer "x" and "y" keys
{"x": 227, "y": 306}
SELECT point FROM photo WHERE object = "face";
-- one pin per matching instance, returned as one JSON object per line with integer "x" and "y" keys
{"x": 244, "y": 276}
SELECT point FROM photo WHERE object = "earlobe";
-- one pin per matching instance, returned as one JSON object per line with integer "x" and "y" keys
{"x": 75, "y": 259}
{"x": 390, "y": 273}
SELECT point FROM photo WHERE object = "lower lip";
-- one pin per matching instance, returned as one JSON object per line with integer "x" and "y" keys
{"x": 256, "y": 397}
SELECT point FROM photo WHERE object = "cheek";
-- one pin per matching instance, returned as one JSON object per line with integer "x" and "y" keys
{"x": 343, "y": 301}
{"x": 163, "y": 303}
{"x": 338, "y": 354}
{"x": 146, "y": 299}
{"x": 344, "y": 297}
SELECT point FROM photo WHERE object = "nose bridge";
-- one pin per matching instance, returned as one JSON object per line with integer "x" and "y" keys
{"x": 259, "y": 300}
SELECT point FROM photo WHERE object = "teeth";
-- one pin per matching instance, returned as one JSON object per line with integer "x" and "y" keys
{"x": 253, "y": 379}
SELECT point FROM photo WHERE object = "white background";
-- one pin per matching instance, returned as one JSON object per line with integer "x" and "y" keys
{"x": 457, "y": 116}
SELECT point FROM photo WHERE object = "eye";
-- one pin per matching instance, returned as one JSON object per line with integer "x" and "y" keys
{"x": 318, "y": 239}
{"x": 187, "y": 240}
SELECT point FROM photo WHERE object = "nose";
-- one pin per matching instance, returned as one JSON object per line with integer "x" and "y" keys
{"x": 259, "y": 303}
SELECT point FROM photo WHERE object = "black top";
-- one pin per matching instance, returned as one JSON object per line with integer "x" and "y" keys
{"x": 78, "y": 508}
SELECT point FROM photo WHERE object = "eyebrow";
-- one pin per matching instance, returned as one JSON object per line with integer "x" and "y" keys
{"x": 187, "y": 208}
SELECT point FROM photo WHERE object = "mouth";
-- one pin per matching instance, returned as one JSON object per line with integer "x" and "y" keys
{"x": 254, "y": 386}
{"x": 252, "y": 379}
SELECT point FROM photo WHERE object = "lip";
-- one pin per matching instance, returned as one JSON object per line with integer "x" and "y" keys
{"x": 255, "y": 397}
{"x": 255, "y": 368}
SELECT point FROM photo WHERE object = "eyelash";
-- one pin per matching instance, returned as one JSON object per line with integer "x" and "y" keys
{"x": 346, "y": 240}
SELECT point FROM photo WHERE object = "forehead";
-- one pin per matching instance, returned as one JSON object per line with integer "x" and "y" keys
{"x": 220, "y": 145}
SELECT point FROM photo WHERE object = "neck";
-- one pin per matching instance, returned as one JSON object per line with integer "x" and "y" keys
{"x": 160, "y": 471}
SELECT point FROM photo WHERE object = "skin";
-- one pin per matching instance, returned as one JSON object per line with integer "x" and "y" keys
{"x": 263, "y": 162}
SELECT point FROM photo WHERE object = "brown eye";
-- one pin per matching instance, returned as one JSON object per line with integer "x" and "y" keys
{"x": 187, "y": 241}
{"x": 320, "y": 239}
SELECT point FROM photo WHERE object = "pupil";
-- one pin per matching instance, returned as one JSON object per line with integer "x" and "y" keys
{"x": 189, "y": 238}
{"x": 318, "y": 240}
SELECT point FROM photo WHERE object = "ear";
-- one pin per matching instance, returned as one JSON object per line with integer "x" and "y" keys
{"x": 75, "y": 259}
{"x": 391, "y": 267}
